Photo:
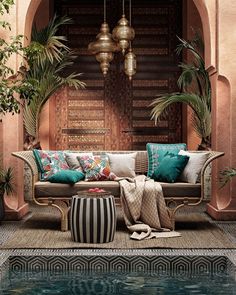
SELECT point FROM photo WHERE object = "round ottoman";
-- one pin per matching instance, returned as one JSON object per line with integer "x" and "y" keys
{"x": 93, "y": 218}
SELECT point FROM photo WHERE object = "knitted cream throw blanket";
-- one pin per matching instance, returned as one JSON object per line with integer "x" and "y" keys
{"x": 145, "y": 211}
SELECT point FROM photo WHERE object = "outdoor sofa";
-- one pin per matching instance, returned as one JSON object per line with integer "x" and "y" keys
{"x": 59, "y": 195}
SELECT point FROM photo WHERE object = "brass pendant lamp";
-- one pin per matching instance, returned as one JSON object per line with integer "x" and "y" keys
{"x": 123, "y": 33}
{"x": 130, "y": 63}
{"x": 104, "y": 47}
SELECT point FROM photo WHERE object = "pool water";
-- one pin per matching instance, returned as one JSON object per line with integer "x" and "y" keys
{"x": 98, "y": 283}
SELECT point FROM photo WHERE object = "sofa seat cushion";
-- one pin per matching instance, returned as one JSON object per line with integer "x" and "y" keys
{"x": 47, "y": 189}
{"x": 181, "y": 189}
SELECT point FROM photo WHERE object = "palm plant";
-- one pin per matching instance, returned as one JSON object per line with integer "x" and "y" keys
{"x": 195, "y": 88}
{"x": 46, "y": 69}
{"x": 6, "y": 186}
{"x": 226, "y": 175}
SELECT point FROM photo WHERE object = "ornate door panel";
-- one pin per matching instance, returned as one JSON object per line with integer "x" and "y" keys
{"x": 113, "y": 113}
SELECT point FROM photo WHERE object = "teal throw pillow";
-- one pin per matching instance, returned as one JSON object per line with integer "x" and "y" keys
{"x": 66, "y": 176}
{"x": 170, "y": 168}
{"x": 157, "y": 151}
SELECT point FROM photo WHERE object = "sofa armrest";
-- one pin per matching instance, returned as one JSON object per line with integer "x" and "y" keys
{"x": 212, "y": 156}
{"x": 28, "y": 158}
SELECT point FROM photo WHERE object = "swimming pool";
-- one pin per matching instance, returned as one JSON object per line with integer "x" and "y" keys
{"x": 118, "y": 274}
{"x": 88, "y": 283}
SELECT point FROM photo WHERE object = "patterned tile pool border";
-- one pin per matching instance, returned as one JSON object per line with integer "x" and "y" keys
{"x": 180, "y": 261}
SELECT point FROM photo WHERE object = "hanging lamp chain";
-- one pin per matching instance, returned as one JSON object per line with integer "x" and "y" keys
{"x": 123, "y": 7}
{"x": 130, "y": 20}
{"x": 104, "y": 10}
{"x": 130, "y": 13}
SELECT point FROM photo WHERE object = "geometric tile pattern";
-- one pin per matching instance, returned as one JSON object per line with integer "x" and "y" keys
{"x": 192, "y": 261}
{"x": 231, "y": 268}
{"x": 158, "y": 264}
{"x": 4, "y": 268}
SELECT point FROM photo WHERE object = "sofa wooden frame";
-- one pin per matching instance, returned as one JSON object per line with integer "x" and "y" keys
{"x": 63, "y": 203}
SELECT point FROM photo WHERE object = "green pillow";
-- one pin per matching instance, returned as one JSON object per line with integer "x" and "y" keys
{"x": 66, "y": 176}
{"x": 157, "y": 151}
{"x": 170, "y": 167}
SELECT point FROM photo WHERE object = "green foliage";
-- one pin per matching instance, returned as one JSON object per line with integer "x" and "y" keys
{"x": 48, "y": 58}
{"x": 6, "y": 181}
{"x": 11, "y": 86}
{"x": 195, "y": 88}
{"x": 5, "y": 6}
{"x": 226, "y": 175}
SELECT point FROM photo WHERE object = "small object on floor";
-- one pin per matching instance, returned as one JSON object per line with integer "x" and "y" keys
{"x": 93, "y": 217}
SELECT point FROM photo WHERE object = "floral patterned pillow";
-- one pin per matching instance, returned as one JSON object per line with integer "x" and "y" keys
{"x": 96, "y": 167}
{"x": 50, "y": 162}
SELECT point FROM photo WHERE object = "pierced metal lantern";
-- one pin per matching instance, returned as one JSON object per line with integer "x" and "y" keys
{"x": 123, "y": 33}
{"x": 130, "y": 64}
{"x": 104, "y": 48}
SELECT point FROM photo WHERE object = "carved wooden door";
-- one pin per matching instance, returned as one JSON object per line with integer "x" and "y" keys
{"x": 114, "y": 113}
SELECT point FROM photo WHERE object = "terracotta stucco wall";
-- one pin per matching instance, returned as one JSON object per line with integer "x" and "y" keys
{"x": 218, "y": 19}
{"x": 20, "y": 17}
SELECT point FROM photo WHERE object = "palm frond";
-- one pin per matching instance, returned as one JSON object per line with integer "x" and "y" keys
{"x": 226, "y": 175}
{"x": 6, "y": 180}
{"x": 30, "y": 117}
{"x": 52, "y": 44}
{"x": 48, "y": 68}
{"x": 195, "y": 46}
{"x": 202, "y": 117}
{"x": 187, "y": 45}
{"x": 194, "y": 81}
{"x": 187, "y": 75}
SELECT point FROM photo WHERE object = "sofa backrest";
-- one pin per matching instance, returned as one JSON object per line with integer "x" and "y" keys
{"x": 141, "y": 162}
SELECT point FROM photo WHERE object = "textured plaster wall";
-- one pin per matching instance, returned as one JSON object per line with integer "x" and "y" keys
{"x": 218, "y": 18}
{"x": 20, "y": 17}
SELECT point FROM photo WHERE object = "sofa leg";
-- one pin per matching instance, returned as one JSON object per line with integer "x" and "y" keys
{"x": 64, "y": 209}
{"x": 172, "y": 217}
{"x": 64, "y": 224}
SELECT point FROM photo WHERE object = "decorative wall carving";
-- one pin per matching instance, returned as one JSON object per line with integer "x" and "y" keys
{"x": 113, "y": 113}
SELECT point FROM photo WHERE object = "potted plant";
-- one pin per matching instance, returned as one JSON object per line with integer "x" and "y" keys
{"x": 48, "y": 58}
{"x": 195, "y": 88}
{"x": 6, "y": 187}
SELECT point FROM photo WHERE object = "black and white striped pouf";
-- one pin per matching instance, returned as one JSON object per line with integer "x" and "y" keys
{"x": 93, "y": 219}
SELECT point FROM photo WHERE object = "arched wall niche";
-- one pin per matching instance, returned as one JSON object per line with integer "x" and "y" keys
{"x": 207, "y": 12}
{"x": 192, "y": 23}
{"x": 29, "y": 18}
{"x": 217, "y": 18}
